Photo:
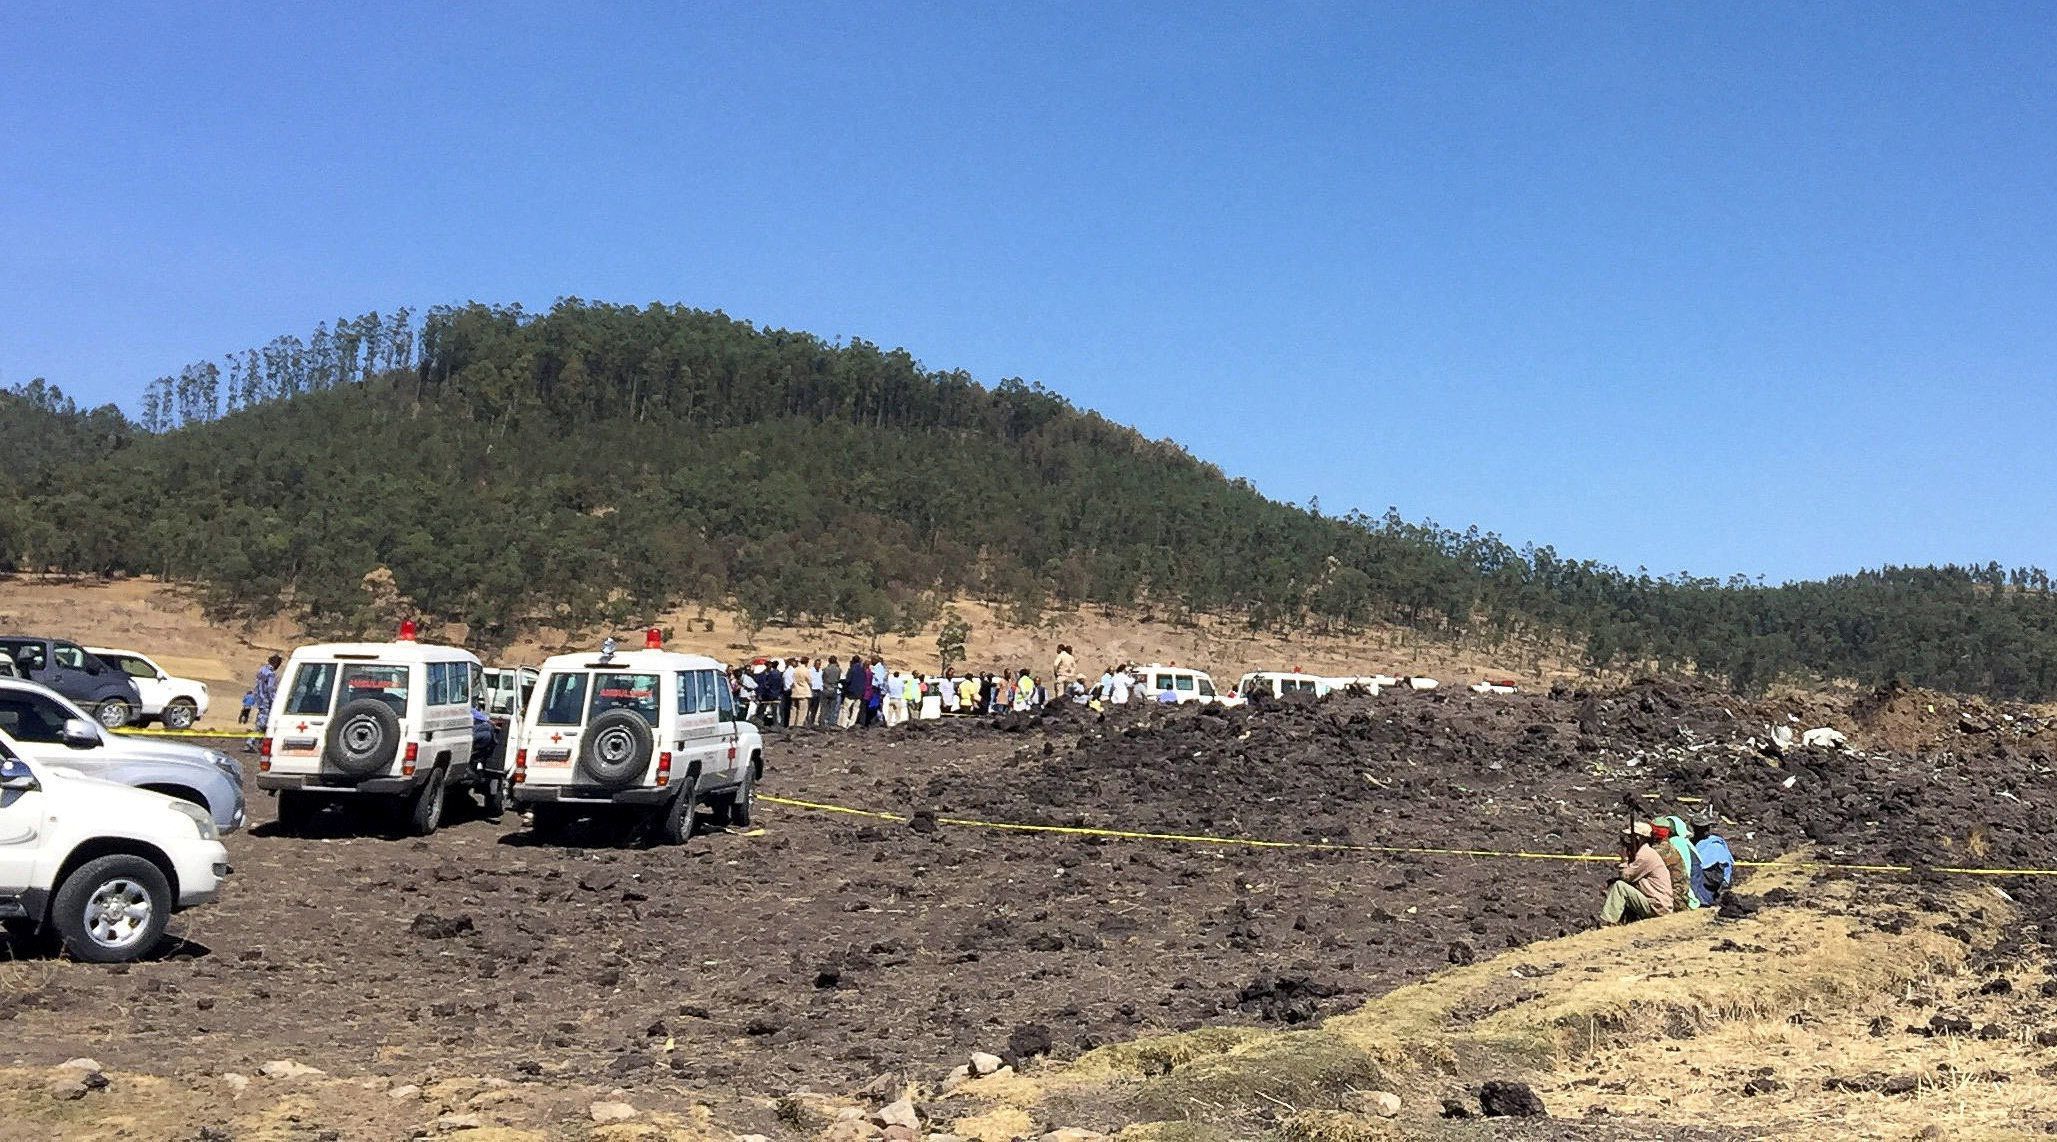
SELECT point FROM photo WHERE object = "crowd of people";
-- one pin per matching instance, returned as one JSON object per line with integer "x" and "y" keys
{"x": 833, "y": 694}
{"x": 1668, "y": 865}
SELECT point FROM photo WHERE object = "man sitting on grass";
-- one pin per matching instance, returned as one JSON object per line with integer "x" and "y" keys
{"x": 1718, "y": 863}
{"x": 1642, "y": 885}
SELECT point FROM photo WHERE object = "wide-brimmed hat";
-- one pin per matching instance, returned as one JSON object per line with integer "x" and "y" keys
{"x": 1702, "y": 817}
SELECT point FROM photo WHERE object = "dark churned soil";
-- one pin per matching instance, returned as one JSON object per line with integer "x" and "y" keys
{"x": 830, "y": 949}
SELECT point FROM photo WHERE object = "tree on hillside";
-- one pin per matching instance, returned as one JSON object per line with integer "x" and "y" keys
{"x": 951, "y": 639}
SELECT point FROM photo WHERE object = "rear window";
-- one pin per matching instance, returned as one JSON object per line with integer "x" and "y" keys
{"x": 386, "y": 683}
{"x": 636, "y": 692}
{"x": 1163, "y": 682}
{"x": 313, "y": 686}
{"x": 564, "y": 701}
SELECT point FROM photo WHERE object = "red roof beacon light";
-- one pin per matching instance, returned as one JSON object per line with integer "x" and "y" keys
{"x": 653, "y": 639}
{"x": 406, "y": 630}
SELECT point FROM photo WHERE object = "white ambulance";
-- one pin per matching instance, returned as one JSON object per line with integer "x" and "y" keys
{"x": 383, "y": 719}
{"x": 645, "y": 731}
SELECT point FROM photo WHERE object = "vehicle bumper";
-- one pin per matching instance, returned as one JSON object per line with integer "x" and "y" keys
{"x": 337, "y": 783}
{"x": 593, "y": 795}
{"x": 201, "y": 868}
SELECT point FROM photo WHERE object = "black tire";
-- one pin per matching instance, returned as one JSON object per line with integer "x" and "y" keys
{"x": 297, "y": 810}
{"x": 615, "y": 753}
{"x": 425, "y": 810}
{"x": 742, "y": 802}
{"x": 179, "y": 715}
{"x": 364, "y": 739}
{"x": 678, "y": 819}
{"x": 112, "y": 910}
{"x": 114, "y": 713}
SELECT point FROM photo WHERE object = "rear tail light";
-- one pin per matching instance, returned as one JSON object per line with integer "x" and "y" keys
{"x": 664, "y": 768}
{"x": 264, "y": 747}
{"x": 413, "y": 753}
{"x": 521, "y": 766}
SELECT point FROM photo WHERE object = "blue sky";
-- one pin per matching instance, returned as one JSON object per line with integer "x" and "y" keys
{"x": 1745, "y": 288}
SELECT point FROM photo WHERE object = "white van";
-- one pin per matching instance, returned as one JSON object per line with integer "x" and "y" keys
{"x": 388, "y": 719}
{"x": 644, "y": 730}
{"x": 1182, "y": 683}
{"x": 1279, "y": 683}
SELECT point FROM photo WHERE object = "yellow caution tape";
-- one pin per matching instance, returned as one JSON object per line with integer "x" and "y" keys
{"x": 135, "y": 732}
{"x": 1342, "y": 847}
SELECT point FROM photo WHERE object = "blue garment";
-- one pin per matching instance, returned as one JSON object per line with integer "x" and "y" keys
{"x": 266, "y": 689}
{"x": 1717, "y": 860}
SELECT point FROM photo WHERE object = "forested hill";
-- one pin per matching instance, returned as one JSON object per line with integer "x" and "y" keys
{"x": 602, "y": 463}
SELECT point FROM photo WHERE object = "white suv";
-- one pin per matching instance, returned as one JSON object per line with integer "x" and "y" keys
{"x": 390, "y": 719}
{"x": 647, "y": 729}
{"x": 103, "y": 864}
{"x": 1182, "y": 683}
{"x": 177, "y": 702}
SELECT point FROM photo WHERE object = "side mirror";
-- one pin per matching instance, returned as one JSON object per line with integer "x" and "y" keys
{"x": 80, "y": 734}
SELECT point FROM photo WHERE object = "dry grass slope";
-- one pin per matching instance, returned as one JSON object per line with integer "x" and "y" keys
{"x": 1627, "y": 996}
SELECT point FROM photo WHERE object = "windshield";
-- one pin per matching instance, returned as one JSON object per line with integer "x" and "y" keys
{"x": 312, "y": 689}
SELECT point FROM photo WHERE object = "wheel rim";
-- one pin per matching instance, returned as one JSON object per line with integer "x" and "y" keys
{"x": 614, "y": 748}
{"x": 179, "y": 717}
{"x": 113, "y": 715}
{"x": 118, "y": 913}
{"x": 361, "y": 735}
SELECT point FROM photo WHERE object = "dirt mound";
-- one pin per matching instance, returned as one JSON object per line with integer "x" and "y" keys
{"x": 1532, "y": 772}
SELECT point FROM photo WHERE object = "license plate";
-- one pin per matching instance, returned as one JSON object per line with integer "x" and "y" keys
{"x": 299, "y": 745}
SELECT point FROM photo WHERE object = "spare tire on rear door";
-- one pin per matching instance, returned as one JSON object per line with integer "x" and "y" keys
{"x": 616, "y": 750}
{"x": 364, "y": 738}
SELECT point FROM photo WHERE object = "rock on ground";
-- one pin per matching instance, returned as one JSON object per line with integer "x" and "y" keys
{"x": 1502, "y": 1099}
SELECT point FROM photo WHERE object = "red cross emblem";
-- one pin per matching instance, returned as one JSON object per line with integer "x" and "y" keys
{"x": 555, "y": 738}
{"x": 302, "y": 727}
